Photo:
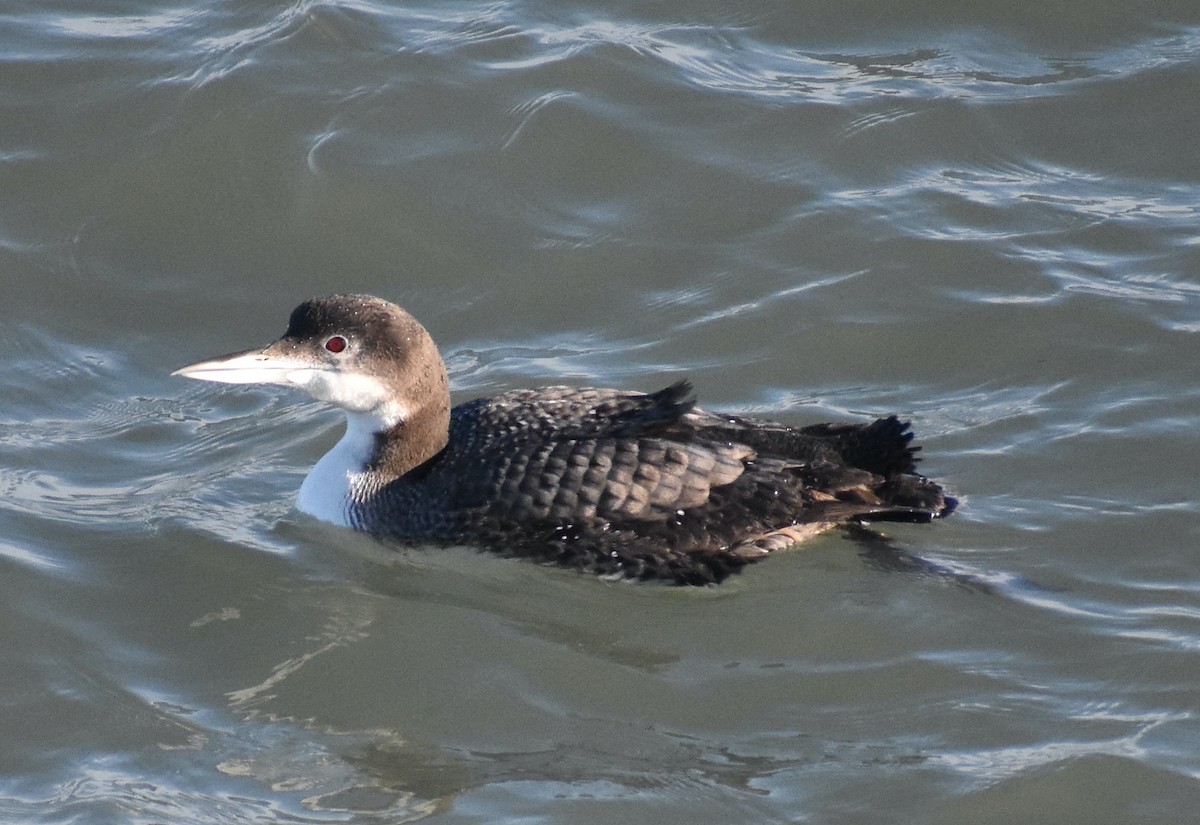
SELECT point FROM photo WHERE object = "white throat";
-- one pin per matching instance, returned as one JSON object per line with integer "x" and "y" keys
{"x": 337, "y": 480}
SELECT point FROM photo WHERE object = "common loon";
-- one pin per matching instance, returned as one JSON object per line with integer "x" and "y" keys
{"x": 645, "y": 486}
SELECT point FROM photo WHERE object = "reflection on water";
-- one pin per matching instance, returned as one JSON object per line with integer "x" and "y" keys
{"x": 983, "y": 219}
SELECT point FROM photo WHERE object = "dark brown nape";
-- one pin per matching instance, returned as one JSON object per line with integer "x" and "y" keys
{"x": 425, "y": 429}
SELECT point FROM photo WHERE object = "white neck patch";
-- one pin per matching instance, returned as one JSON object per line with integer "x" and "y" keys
{"x": 331, "y": 485}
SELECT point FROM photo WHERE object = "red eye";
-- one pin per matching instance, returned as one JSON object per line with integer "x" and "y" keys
{"x": 335, "y": 344}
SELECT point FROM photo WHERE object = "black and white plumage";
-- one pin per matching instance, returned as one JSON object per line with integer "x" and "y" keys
{"x": 646, "y": 486}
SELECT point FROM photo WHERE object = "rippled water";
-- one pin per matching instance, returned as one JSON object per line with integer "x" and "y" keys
{"x": 982, "y": 217}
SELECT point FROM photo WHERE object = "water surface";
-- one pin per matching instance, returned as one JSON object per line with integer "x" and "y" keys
{"x": 982, "y": 217}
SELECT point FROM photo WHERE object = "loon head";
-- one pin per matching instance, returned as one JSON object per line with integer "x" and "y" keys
{"x": 357, "y": 352}
{"x": 365, "y": 355}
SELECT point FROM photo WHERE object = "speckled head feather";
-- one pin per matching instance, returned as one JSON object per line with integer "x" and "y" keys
{"x": 384, "y": 341}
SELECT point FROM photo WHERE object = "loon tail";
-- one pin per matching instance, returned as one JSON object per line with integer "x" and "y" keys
{"x": 883, "y": 447}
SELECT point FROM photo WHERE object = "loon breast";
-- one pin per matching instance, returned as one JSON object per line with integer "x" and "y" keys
{"x": 640, "y": 485}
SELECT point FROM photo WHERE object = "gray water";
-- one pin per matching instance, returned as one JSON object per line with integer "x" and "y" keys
{"x": 983, "y": 217}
